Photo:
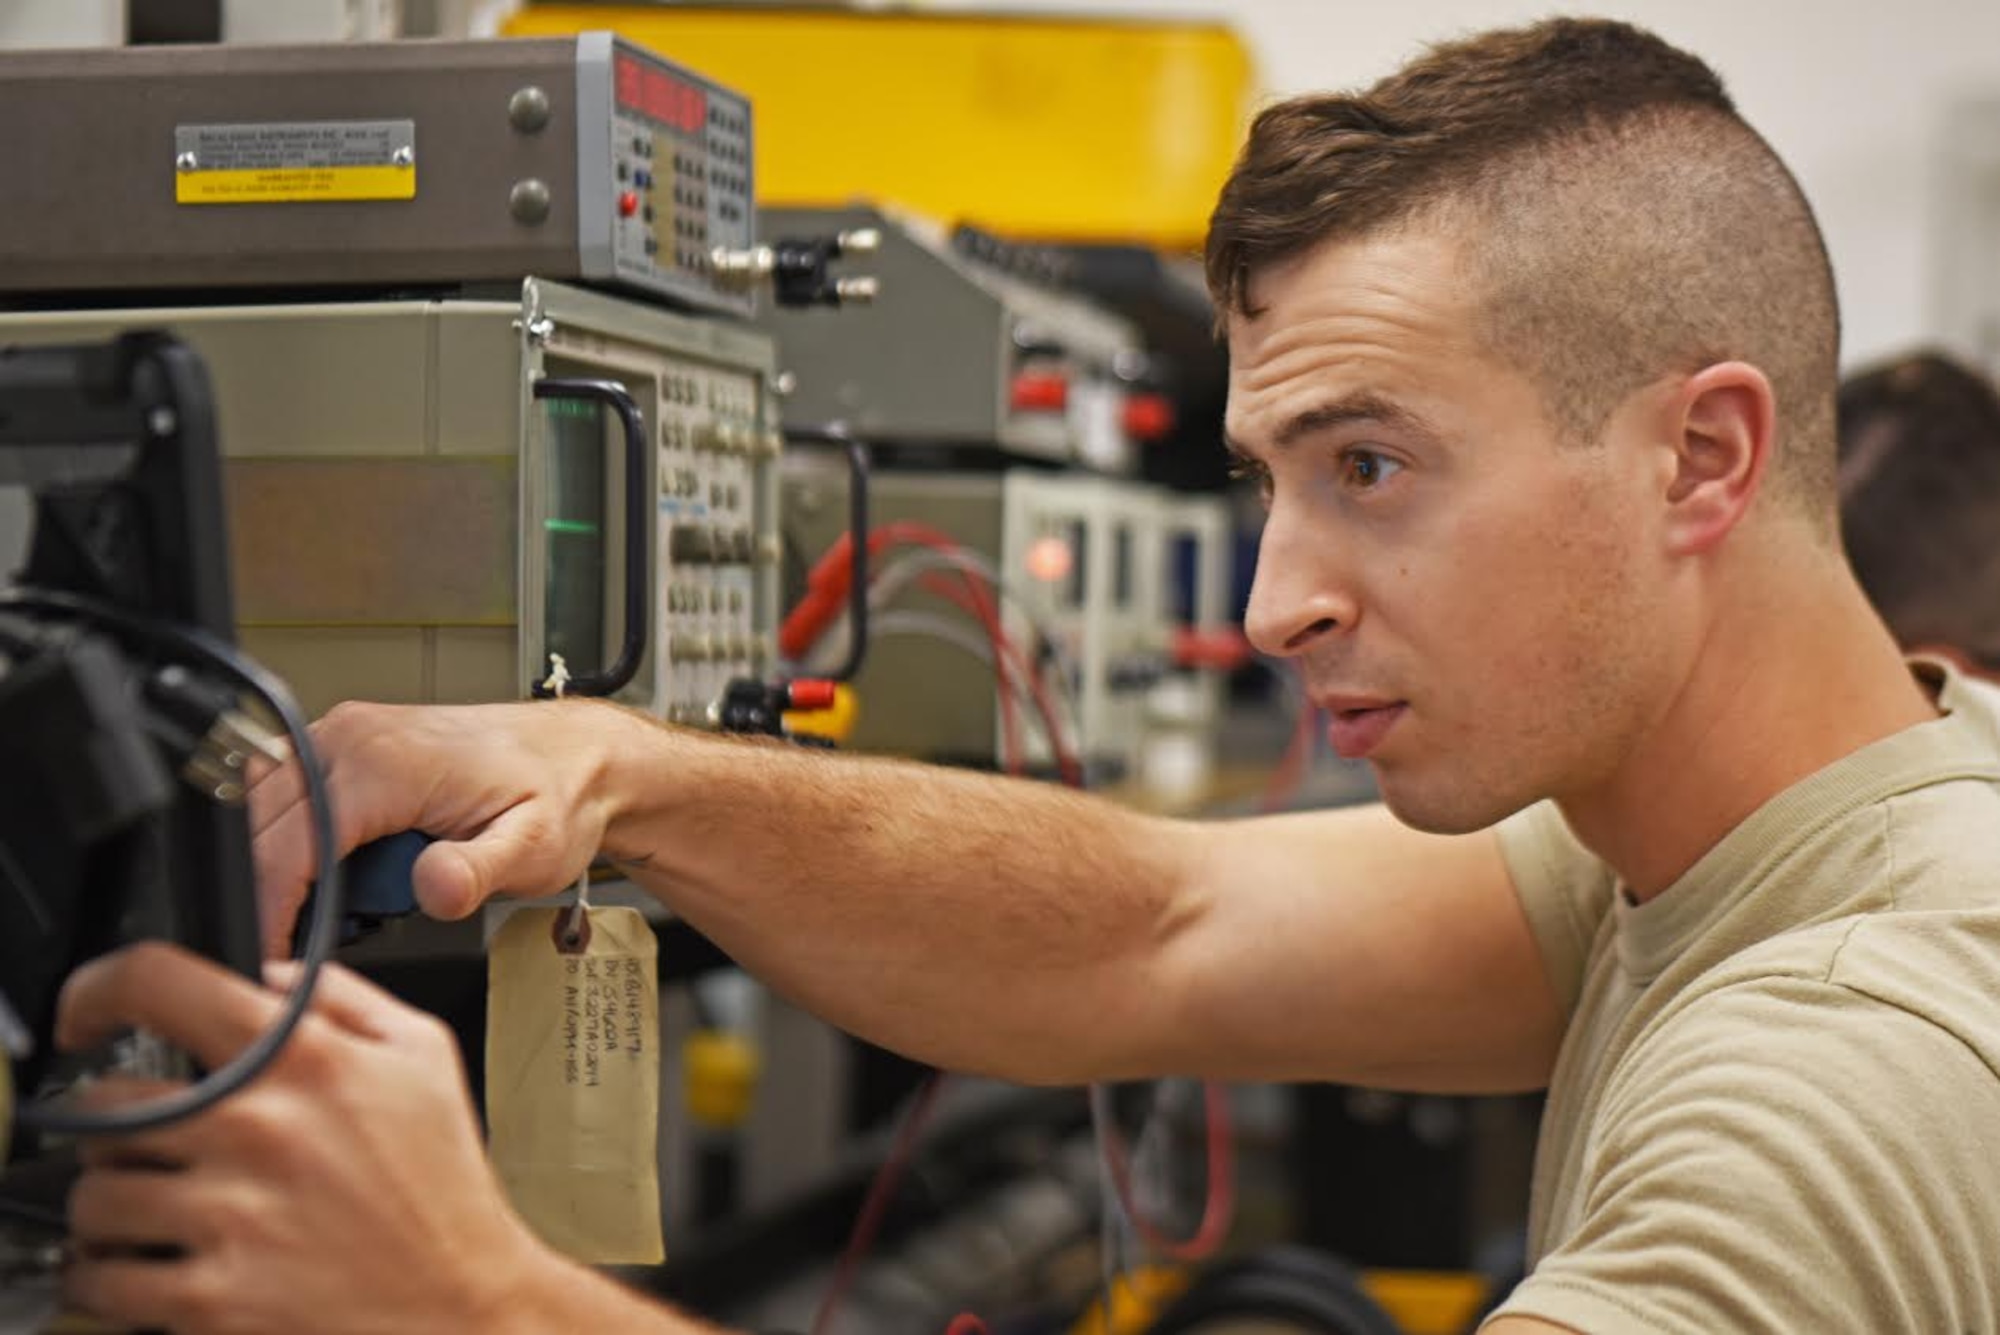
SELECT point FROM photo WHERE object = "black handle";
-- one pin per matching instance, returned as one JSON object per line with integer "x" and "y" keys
{"x": 638, "y": 505}
{"x": 860, "y": 466}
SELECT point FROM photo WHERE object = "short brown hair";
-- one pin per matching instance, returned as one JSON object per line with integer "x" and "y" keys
{"x": 1621, "y": 220}
{"x": 1920, "y": 500}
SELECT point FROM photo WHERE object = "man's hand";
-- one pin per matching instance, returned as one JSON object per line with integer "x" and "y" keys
{"x": 344, "y": 1190}
{"x": 514, "y": 793}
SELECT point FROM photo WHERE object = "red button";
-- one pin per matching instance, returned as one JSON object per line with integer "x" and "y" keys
{"x": 628, "y": 203}
{"x": 1149, "y": 417}
{"x": 1040, "y": 392}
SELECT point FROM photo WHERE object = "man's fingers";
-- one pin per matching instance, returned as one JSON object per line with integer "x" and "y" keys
{"x": 194, "y": 1004}
{"x": 284, "y": 853}
{"x": 124, "y": 1208}
{"x": 145, "y": 1295}
{"x": 519, "y": 853}
{"x": 286, "y": 850}
{"x": 169, "y": 1147}
{"x": 345, "y": 997}
{"x": 269, "y": 758}
{"x": 450, "y": 880}
{"x": 274, "y": 788}
{"x": 279, "y": 902}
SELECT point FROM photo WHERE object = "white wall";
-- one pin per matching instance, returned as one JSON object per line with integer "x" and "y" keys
{"x": 45, "y": 23}
{"x": 1851, "y": 94}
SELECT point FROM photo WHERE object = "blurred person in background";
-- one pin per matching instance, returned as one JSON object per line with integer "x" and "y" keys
{"x": 1919, "y": 480}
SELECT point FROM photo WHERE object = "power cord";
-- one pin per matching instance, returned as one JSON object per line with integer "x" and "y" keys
{"x": 247, "y": 1065}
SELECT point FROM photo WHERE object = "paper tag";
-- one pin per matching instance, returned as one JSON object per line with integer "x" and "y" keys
{"x": 573, "y": 1080}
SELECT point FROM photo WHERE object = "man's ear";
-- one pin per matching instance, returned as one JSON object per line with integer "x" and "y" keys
{"x": 1725, "y": 427}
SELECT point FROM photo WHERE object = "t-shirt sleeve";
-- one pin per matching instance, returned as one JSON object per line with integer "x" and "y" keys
{"x": 1564, "y": 888}
{"x": 1781, "y": 1156}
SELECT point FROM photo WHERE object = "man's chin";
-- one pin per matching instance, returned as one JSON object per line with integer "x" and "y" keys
{"x": 1442, "y": 808}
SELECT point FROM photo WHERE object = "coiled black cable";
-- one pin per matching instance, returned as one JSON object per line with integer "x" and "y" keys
{"x": 248, "y": 1064}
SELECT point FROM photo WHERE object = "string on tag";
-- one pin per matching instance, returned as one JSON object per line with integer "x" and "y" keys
{"x": 558, "y": 679}
{"x": 575, "y": 924}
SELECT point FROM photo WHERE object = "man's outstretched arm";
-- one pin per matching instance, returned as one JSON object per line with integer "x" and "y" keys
{"x": 976, "y": 922}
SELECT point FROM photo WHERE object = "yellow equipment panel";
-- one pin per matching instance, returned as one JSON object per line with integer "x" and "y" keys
{"x": 1045, "y": 128}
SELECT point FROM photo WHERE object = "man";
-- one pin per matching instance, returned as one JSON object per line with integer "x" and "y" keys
{"x": 1919, "y": 497}
{"x": 1533, "y": 346}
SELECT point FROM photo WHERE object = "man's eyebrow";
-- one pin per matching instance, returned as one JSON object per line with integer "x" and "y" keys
{"x": 1368, "y": 408}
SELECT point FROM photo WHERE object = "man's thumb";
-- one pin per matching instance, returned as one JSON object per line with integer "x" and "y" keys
{"x": 512, "y": 855}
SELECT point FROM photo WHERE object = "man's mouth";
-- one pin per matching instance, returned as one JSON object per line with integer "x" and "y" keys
{"x": 1358, "y": 726}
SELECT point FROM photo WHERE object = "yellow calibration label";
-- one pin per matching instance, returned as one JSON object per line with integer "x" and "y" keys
{"x": 295, "y": 162}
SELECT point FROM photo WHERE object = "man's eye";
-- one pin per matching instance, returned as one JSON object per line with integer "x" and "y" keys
{"x": 1250, "y": 470}
{"x": 1363, "y": 469}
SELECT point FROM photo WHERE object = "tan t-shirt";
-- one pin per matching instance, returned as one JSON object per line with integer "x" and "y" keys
{"x": 1777, "y": 1105}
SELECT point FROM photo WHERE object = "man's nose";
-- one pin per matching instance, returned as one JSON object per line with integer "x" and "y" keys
{"x": 1298, "y": 596}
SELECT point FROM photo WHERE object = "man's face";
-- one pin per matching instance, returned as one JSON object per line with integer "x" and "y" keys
{"x": 1476, "y": 602}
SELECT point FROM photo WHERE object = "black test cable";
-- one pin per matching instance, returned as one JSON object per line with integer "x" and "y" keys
{"x": 250, "y": 1063}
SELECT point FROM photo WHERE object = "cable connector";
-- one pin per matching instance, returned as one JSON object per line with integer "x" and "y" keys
{"x": 797, "y": 269}
{"x": 204, "y": 725}
{"x": 753, "y": 706}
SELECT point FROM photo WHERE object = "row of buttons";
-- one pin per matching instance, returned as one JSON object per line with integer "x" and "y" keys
{"x": 702, "y": 544}
{"x": 686, "y": 483}
{"x": 722, "y": 395}
{"x": 689, "y": 258}
{"x": 741, "y": 438}
{"x": 692, "y": 599}
{"x": 697, "y": 648}
{"x": 680, "y": 388}
{"x": 720, "y": 150}
{"x": 728, "y": 124}
{"x": 737, "y": 438}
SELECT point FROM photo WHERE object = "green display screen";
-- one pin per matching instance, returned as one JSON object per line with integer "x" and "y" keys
{"x": 573, "y": 533}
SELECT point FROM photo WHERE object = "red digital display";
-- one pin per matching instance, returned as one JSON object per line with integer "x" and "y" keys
{"x": 659, "y": 96}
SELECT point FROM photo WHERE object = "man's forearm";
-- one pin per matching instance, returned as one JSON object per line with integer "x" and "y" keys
{"x": 960, "y": 918}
